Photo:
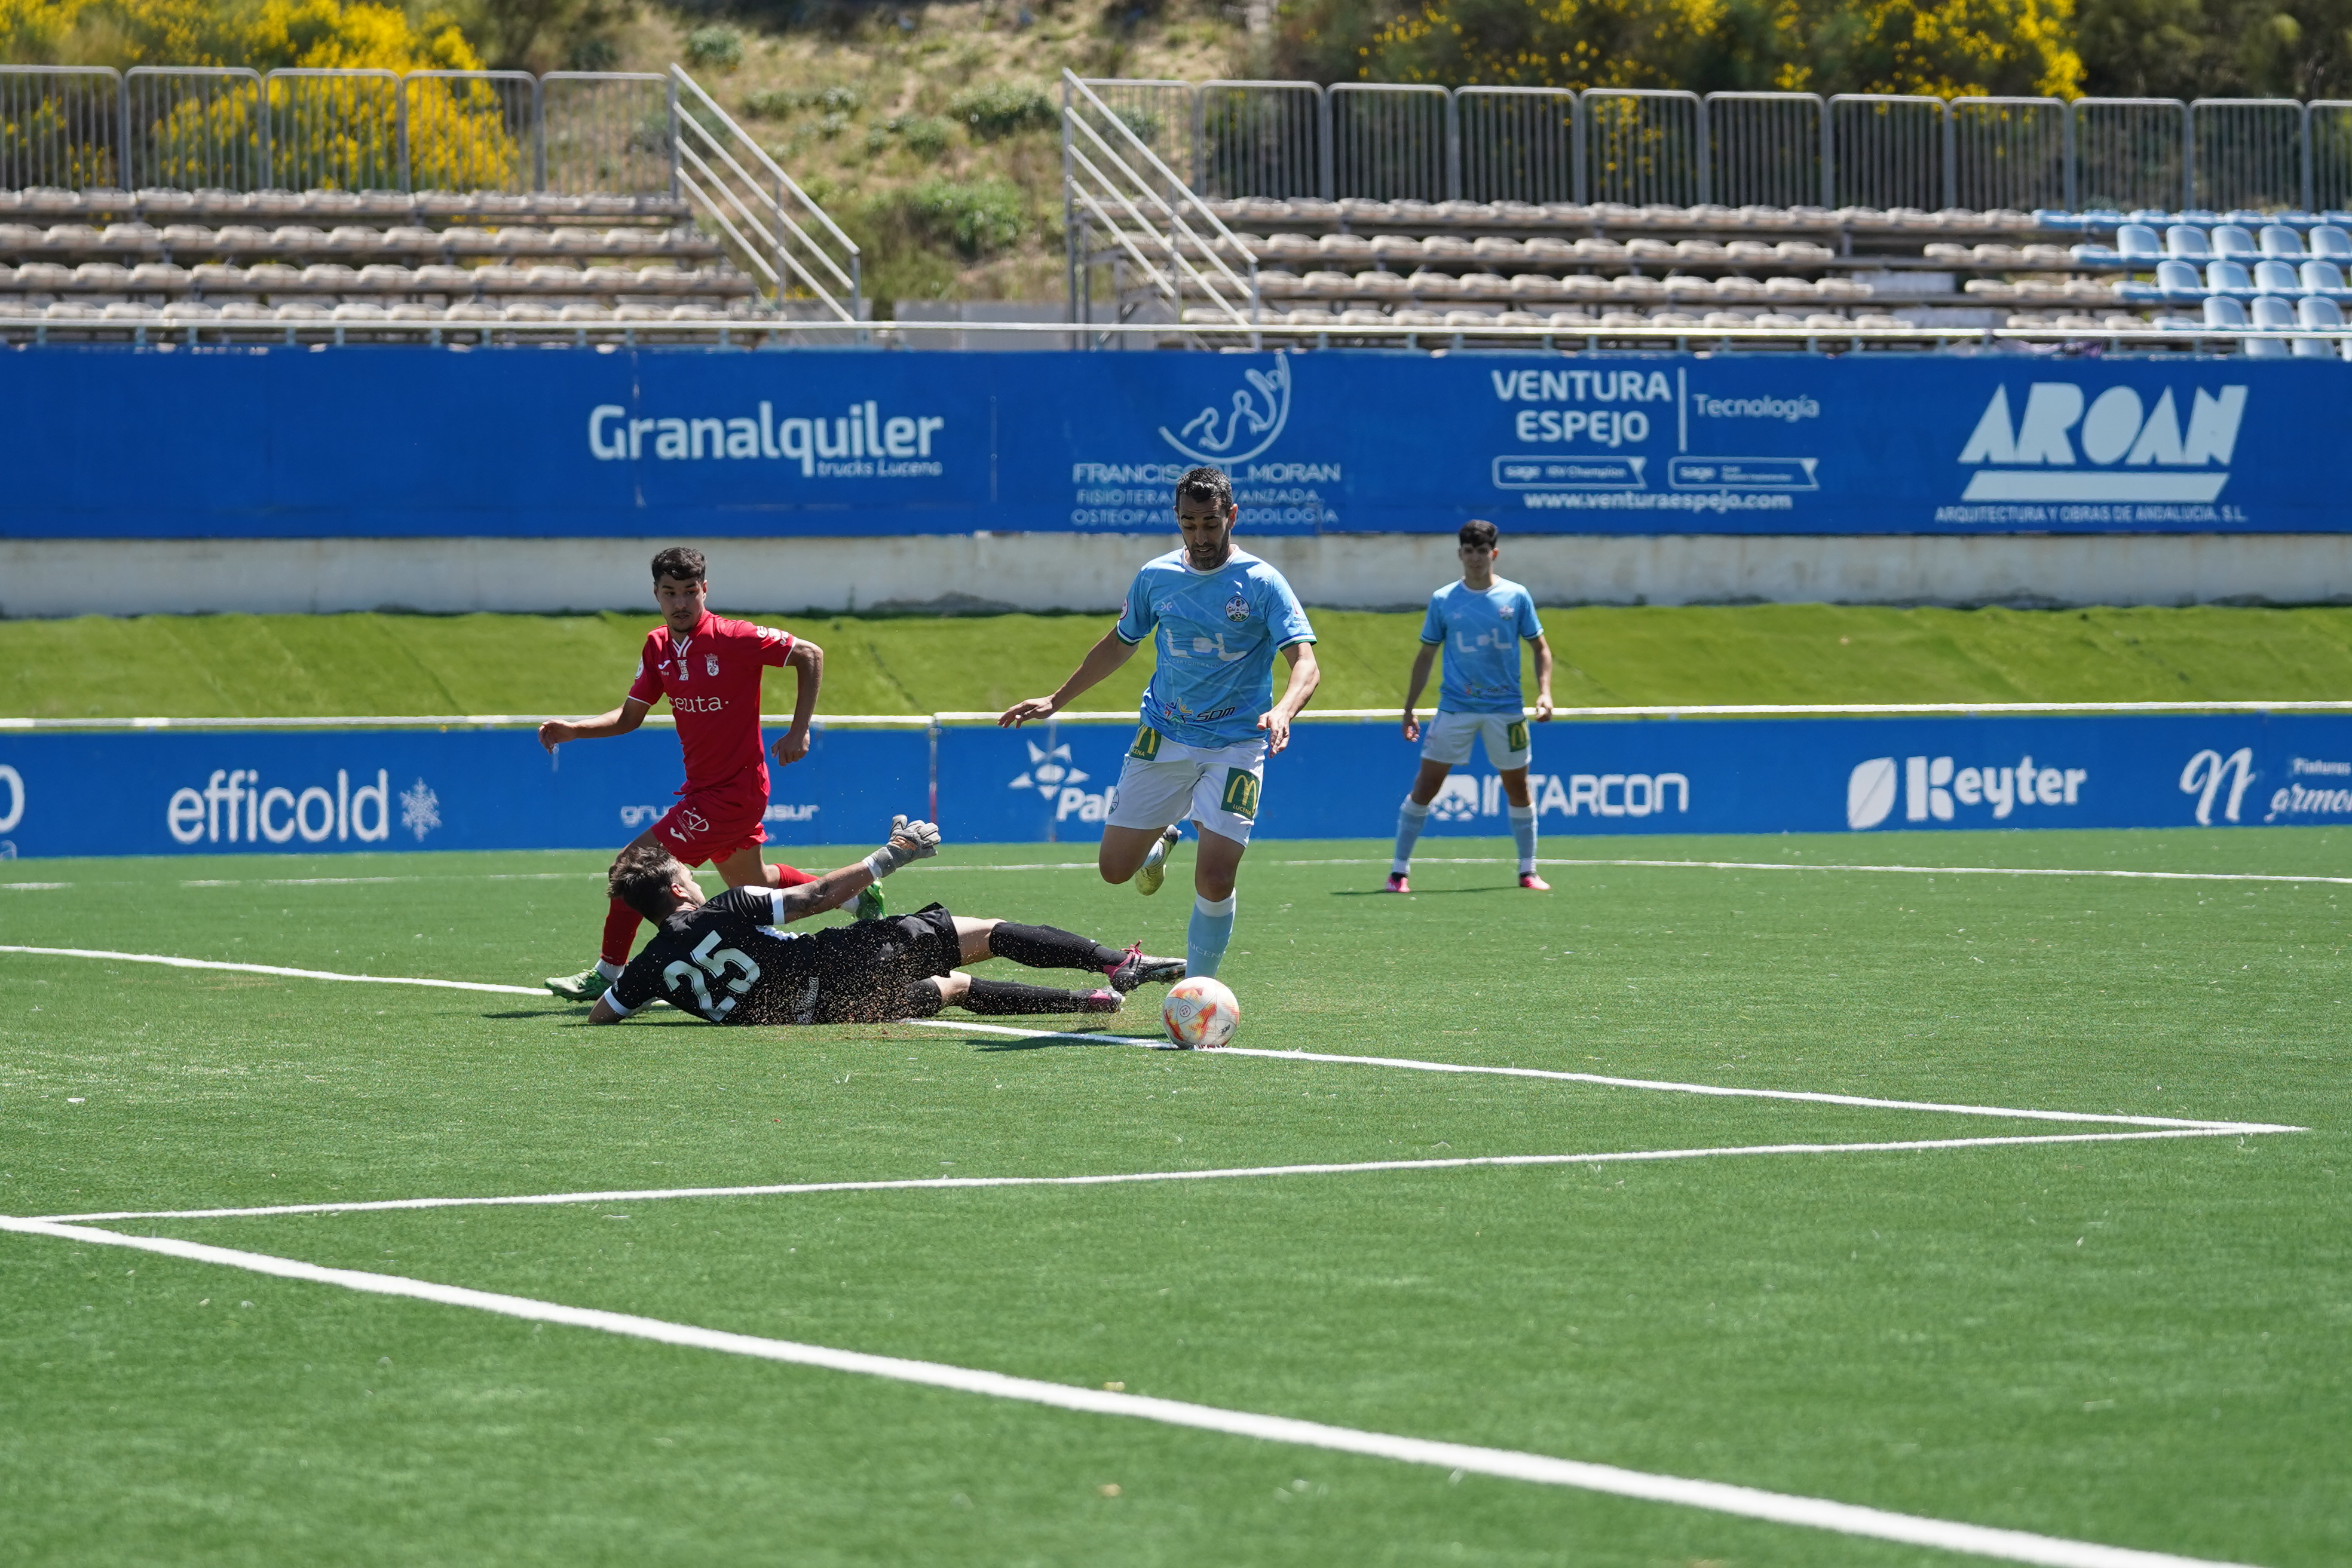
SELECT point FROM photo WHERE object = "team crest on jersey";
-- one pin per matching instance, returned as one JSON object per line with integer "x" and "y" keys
{"x": 1237, "y": 608}
{"x": 710, "y": 664}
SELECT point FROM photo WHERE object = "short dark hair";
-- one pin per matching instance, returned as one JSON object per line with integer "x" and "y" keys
{"x": 641, "y": 879}
{"x": 1480, "y": 535}
{"x": 1207, "y": 484}
{"x": 686, "y": 566}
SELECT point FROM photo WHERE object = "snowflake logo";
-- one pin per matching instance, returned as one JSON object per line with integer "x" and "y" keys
{"x": 420, "y": 809}
{"x": 1049, "y": 771}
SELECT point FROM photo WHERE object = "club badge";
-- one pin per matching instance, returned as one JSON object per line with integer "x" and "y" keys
{"x": 1237, "y": 608}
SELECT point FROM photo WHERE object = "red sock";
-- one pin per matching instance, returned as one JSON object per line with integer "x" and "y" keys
{"x": 620, "y": 932}
{"x": 787, "y": 877}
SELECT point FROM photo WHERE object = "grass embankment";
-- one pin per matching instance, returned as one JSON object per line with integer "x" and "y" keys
{"x": 293, "y": 665}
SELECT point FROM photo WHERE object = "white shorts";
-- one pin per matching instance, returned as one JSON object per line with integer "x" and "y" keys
{"x": 1446, "y": 739}
{"x": 1216, "y": 786}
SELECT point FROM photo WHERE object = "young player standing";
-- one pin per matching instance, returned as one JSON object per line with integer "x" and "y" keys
{"x": 709, "y": 667}
{"x": 1222, "y": 614}
{"x": 1480, "y": 622}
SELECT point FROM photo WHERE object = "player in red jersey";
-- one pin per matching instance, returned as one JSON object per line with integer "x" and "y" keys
{"x": 710, "y": 668}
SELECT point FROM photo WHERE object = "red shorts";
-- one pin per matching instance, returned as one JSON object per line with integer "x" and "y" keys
{"x": 710, "y": 825}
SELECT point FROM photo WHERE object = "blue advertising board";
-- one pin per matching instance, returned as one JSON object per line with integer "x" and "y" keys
{"x": 560, "y": 442}
{"x": 212, "y": 793}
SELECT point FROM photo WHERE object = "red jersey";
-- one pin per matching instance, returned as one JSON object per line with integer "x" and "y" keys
{"x": 712, "y": 681}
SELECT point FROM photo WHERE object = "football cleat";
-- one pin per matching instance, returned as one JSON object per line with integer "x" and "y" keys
{"x": 1397, "y": 884}
{"x": 869, "y": 905}
{"x": 584, "y": 986}
{"x": 1533, "y": 883}
{"x": 1154, "y": 870}
{"x": 1139, "y": 968}
{"x": 1100, "y": 1001}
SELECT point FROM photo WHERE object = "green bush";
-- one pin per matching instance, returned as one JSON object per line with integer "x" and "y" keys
{"x": 977, "y": 217}
{"x": 776, "y": 103}
{"x": 720, "y": 48}
{"x": 1001, "y": 109}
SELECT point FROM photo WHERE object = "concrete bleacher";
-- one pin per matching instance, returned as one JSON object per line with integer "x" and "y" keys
{"x": 333, "y": 256}
{"x": 1324, "y": 267}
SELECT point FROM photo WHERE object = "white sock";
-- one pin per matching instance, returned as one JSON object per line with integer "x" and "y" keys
{"x": 1523, "y": 834}
{"x": 608, "y": 969}
{"x": 1411, "y": 819}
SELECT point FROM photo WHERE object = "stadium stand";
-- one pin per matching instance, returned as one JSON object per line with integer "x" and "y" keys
{"x": 1314, "y": 267}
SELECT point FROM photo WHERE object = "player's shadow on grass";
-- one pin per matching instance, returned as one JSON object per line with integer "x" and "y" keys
{"x": 1419, "y": 893}
{"x": 1040, "y": 1042}
{"x": 554, "y": 1012}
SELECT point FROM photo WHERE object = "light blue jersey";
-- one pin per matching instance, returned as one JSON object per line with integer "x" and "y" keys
{"x": 1481, "y": 634}
{"x": 1218, "y": 634}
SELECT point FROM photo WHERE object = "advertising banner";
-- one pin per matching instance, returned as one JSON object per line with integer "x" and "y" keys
{"x": 161, "y": 794}
{"x": 703, "y": 443}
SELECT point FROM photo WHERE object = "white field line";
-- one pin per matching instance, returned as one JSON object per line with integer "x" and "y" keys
{"x": 273, "y": 969}
{"x": 1746, "y": 1502}
{"x": 1746, "y": 866}
{"x": 784, "y": 1189}
{"x": 1415, "y": 1065}
{"x": 1408, "y": 1063}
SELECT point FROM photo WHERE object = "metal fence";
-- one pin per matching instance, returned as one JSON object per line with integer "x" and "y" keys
{"x": 1286, "y": 139}
{"x": 230, "y": 128}
{"x": 1392, "y": 142}
{"x": 1514, "y": 143}
{"x": 1766, "y": 149}
{"x": 2010, "y": 152}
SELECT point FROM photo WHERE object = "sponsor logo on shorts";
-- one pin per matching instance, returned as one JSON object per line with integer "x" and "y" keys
{"x": 1147, "y": 743}
{"x": 1240, "y": 794}
{"x": 1515, "y": 735}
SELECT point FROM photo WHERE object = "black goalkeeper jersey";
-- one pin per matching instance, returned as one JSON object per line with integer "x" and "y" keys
{"x": 729, "y": 963}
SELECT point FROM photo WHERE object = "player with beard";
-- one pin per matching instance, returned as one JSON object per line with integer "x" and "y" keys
{"x": 1208, "y": 721}
{"x": 709, "y": 667}
{"x": 728, "y": 960}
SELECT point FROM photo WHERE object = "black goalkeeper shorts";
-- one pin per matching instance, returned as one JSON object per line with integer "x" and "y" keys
{"x": 863, "y": 970}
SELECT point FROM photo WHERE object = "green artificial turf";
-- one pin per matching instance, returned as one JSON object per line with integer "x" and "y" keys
{"x": 294, "y": 665}
{"x": 2138, "y": 1343}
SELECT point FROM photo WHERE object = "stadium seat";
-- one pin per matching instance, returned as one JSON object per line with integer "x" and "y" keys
{"x": 2228, "y": 278}
{"x": 2330, "y": 242}
{"x": 2283, "y": 242}
{"x": 2231, "y": 242}
{"x": 2224, "y": 312}
{"x": 2183, "y": 243}
{"x": 2276, "y": 277}
{"x": 2174, "y": 280}
{"x": 2271, "y": 314}
{"x": 2323, "y": 279}
{"x": 2317, "y": 313}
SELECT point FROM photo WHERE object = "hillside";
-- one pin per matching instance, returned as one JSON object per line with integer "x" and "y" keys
{"x": 257, "y": 665}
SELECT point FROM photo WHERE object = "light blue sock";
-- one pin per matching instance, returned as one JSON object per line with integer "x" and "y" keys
{"x": 1523, "y": 834}
{"x": 1212, "y": 928}
{"x": 1411, "y": 819}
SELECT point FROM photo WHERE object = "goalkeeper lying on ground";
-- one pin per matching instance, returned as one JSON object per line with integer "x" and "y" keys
{"x": 724, "y": 958}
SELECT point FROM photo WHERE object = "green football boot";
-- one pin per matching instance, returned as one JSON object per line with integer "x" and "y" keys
{"x": 869, "y": 905}
{"x": 584, "y": 986}
{"x": 1154, "y": 870}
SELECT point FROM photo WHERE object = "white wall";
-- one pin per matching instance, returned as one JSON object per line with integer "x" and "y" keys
{"x": 69, "y": 577}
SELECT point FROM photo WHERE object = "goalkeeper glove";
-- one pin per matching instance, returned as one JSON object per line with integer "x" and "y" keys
{"x": 908, "y": 841}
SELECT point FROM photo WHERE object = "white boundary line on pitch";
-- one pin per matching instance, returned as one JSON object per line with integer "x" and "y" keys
{"x": 1811, "y": 1096}
{"x": 1748, "y": 866}
{"x": 951, "y": 1184}
{"x": 1409, "y": 1063}
{"x": 1716, "y": 1496}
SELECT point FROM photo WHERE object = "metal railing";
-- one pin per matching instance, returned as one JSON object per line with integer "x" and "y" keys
{"x": 1260, "y": 139}
{"x": 1641, "y": 146}
{"x": 2010, "y": 152}
{"x": 773, "y": 228}
{"x": 1766, "y": 149}
{"x": 1122, "y": 200}
{"x": 1392, "y": 142}
{"x": 232, "y": 128}
{"x": 1514, "y": 143}
{"x": 1885, "y": 149}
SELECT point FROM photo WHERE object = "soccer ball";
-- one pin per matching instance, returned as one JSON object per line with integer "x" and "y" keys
{"x": 1201, "y": 1015}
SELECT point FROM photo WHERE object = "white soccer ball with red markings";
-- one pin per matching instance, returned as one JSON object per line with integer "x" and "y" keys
{"x": 1201, "y": 1015}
